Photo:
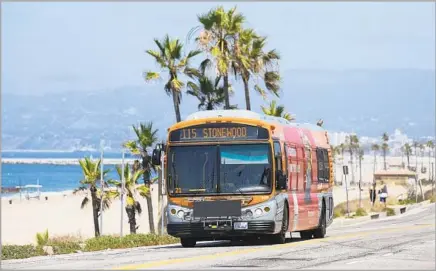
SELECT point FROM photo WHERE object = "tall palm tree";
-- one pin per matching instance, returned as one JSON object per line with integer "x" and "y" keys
{"x": 146, "y": 138}
{"x": 207, "y": 91}
{"x": 252, "y": 61}
{"x": 217, "y": 38}
{"x": 421, "y": 149}
{"x": 360, "y": 152}
{"x": 170, "y": 59}
{"x": 133, "y": 206}
{"x": 375, "y": 148}
{"x": 430, "y": 146}
{"x": 408, "y": 152}
{"x": 385, "y": 147}
{"x": 90, "y": 183}
{"x": 352, "y": 145}
{"x": 415, "y": 146}
{"x": 335, "y": 150}
{"x": 277, "y": 111}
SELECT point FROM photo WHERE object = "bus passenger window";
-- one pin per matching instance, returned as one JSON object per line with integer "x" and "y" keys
{"x": 326, "y": 166}
{"x": 320, "y": 162}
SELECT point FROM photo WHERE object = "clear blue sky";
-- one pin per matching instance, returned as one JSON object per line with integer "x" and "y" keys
{"x": 93, "y": 46}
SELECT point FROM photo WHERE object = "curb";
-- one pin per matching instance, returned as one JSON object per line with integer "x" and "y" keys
{"x": 398, "y": 211}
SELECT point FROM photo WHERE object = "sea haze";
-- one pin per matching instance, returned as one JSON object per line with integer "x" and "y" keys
{"x": 368, "y": 102}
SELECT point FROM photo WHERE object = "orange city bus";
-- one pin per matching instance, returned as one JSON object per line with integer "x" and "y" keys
{"x": 240, "y": 175}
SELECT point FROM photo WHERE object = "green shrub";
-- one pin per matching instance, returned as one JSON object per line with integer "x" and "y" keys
{"x": 65, "y": 244}
{"x": 361, "y": 212}
{"x": 65, "y": 247}
{"x": 128, "y": 241}
{"x": 390, "y": 212}
{"x": 68, "y": 244}
{"x": 42, "y": 238}
{"x": 20, "y": 252}
{"x": 338, "y": 213}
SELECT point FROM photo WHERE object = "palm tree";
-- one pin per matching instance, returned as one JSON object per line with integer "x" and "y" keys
{"x": 132, "y": 188}
{"x": 421, "y": 149}
{"x": 91, "y": 179}
{"x": 360, "y": 153}
{"x": 335, "y": 150}
{"x": 415, "y": 146}
{"x": 408, "y": 152}
{"x": 385, "y": 147}
{"x": 170, "y": 59}
{"x": 251, "y": 60}
{"x": 352, "y": 144}
{"x": 375, "y": 148}
{"x": 430, "y": 147}
{"x": 277, "y": 111}
{"x": 146, "y": 137}
{"x": 218, "y": 35}
{"x": 207, "y": 91}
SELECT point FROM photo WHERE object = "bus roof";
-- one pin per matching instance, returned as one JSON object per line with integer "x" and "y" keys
{"x": 247, "y": 114}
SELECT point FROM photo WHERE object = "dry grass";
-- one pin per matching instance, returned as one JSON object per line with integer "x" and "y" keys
{"x": 67, "y": 238}
{"x": 341, "y": 209}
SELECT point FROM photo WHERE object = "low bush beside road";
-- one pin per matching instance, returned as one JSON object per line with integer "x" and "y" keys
{"x": 69, "y": 244}
{"x": 128, "y": 241}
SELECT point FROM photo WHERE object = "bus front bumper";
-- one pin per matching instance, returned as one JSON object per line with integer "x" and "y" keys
{"x": 198, "y": 230}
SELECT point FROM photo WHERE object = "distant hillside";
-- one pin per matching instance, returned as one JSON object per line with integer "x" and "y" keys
{"x": 366, "y": 102}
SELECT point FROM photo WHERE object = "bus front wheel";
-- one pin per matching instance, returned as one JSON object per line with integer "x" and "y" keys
{"x": 280, "y": 238}
{"x": 186, "y": 242}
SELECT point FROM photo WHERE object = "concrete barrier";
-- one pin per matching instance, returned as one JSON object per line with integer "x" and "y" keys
{"x": 375, "y": 216}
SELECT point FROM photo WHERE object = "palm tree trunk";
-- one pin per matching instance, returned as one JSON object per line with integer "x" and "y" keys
{"x": 130, "y": 210}
{"x": 408, "y": 161}
{"x": 247, "y": 93}
{"x": 420, "y": 188}
{"x": 146, "y": 178}
{"x": 95, "y": 210}
{"x": 176, "y": 105}
{"x": 353, "y": 180}
{"x": 429, "y": 166}
{"x": 384, "y": 158}
{"x": 226, "y": 92}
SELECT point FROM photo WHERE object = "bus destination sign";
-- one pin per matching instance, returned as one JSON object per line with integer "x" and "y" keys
{"x": 219, "y": 132}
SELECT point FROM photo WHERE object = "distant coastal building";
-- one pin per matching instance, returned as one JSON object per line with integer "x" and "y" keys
{"x": 395, "y": 176}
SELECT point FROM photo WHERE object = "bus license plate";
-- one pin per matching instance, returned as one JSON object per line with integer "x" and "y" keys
{"x": 241, "y": 225}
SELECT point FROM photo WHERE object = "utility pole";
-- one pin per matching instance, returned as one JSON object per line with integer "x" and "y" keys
{"x": 123, "y": 185}
{"x": 162, "y": 185}
{"x": 345, "y": 169}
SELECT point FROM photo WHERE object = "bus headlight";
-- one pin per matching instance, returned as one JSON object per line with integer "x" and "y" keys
{"x": 180, "y": 214}
{"x": 248, "y": 214}
{"x": 258, "y": 212}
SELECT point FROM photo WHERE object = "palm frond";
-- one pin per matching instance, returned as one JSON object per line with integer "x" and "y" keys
{"x": 149, "y": 76}
{"x": 84, "y": 202}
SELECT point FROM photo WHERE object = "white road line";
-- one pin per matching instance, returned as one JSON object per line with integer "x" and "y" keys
{"x": 355, "y": 262}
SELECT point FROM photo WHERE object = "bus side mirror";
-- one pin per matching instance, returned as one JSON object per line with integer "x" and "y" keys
{"x": 156, "y": 156}
{"x": 282, "y": 183}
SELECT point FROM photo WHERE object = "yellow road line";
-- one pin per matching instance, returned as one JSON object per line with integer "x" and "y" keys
{"x": 265, "y": 248}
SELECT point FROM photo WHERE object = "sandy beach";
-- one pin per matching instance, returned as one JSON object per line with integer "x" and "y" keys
{"x": 61, "y": 213}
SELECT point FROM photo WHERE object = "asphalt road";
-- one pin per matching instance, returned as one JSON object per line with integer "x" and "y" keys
{"x": 405, "y": 241}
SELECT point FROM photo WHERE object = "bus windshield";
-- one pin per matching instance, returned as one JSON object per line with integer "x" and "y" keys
{"x": 224, "y": 169}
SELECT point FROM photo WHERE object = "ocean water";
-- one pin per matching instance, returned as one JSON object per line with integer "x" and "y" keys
{"x": 66, "y": 155}
{"x": 53, "y": 178}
